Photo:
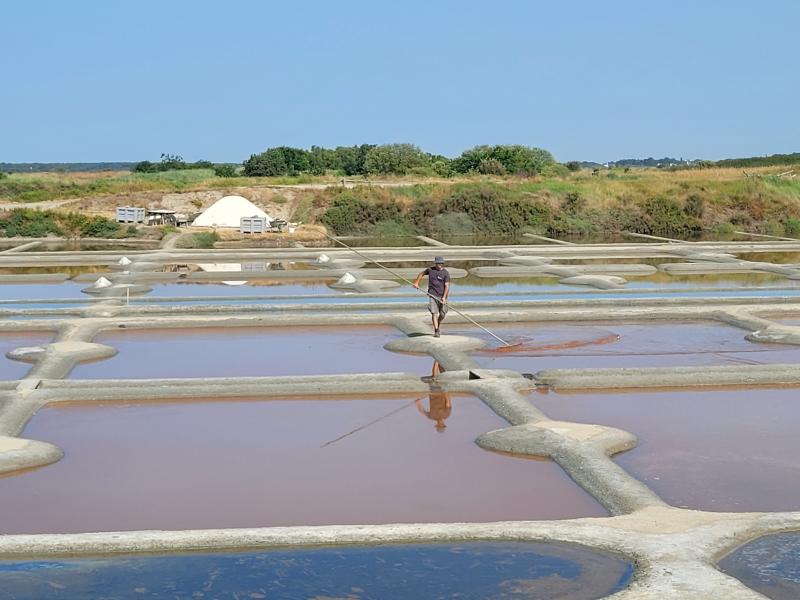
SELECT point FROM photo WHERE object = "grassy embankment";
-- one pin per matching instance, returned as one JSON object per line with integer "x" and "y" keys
{"x": 667, "y": 203}
{"x": 42, "y": 187}
{"x": 661, "y": 202}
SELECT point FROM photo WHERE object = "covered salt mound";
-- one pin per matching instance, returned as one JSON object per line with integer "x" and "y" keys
{"x": 104, "y": 288}
{"x": 323, "y": 261}
{"x": 102, "y": 283}
{"x": 602, "y": 282}
{"x": 534, "y": 261}
{"x": 351, "y": 283}
{"x": 228, "y": 212}
{"x": 706, "y": 256}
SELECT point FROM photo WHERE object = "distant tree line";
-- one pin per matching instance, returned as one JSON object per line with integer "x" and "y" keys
{"x": 170, "y": 162}
{"x": 761, "y": 161}
{"x": 78, "y": 167}
{"x": 396, "y": 159}
{"x": 175, "y": 162}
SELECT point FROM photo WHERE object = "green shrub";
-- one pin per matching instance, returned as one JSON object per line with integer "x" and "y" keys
{"x": 273, "y": 162}
{"x": 516, "y": 160}
{"x": 566, "y": 224}
{"x": 28, "y": 222}
{"x": 727, "y": 229}
{"x": 773, "y": 227}
{"x": 573, "y": 166}
{"x": 664, "y": 217}
{"x": 573, "y": 203}
{"x": 398, "y": 159}
{"x": 302, "y": 210}
{"x": 206, "y": 239}
{"x": 695, "y": 206}
{"x": 491, "y": 212}
{"x": 491, "y": 166}
{"x": 392, "y": 228}
{"x": 470, "y": 208}
{"x": 350, "y": 213}
{"x": 170, "y": 162}
{"x": 100, "y": 227}
{"x": 554, "y": 170}
{"x": 442, "y": 167}
{"x": 202, "y": 239}
{"x": 624, "y": 218}
{"x": 452, "y": 224}
{"x": 791, "y": 226}
{"x": 225, "y": 170}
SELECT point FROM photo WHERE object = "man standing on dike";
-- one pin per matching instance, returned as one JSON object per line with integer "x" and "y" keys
{"x": 439, "y": 289}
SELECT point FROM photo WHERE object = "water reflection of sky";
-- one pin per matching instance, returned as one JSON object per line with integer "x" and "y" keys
{"x": 469, "y": 289}
{"x": 498, "y": 570}
{"x": 770, "y": 565}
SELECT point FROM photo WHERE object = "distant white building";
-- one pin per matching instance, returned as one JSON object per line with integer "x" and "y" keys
{"x": 228, "y": 212}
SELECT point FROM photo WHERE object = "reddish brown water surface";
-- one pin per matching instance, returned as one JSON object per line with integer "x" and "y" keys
{"x": 250, "y": 351}
{"x": 584, "y": 345}
{"x": 263, "y": 463}
{"x": 12, "y": 369}
{"x": 720, "y": 450}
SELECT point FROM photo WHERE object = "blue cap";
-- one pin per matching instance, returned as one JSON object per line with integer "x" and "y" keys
{"x": 439, "y": 260}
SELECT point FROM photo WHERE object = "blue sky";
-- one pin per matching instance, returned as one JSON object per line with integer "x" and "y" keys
{"x": 100, "y": 80}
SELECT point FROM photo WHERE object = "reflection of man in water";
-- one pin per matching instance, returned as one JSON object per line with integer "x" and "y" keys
{"x": 439, "y": 403}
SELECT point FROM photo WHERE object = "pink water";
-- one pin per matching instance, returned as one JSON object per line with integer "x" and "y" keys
{"x": 12, "y": 369}
{"x": 262, "y": 463}
{"x": 721, "y": 450}
{"x": 597, "y": 345}
{"x": 250, "y": 351}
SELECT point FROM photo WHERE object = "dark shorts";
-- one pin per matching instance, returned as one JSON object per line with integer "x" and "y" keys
{"x": 435, "y": 306}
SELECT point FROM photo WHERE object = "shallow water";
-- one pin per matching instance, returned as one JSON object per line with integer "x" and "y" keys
{"x": 497, "y": 570}
{"x": 249, "y": 351}
{"x": 538, "y": 288}
{"x": 220, "y": 289}
{"x": 718, "y": 450}
{"x": 770, "y": 565}
{"x": 45, "y": 291}
{"x": 794, "y": 321}
{"x": 12, "y": 369}
{"x": 189, "y": 465}
{"x": 644, "y": 344}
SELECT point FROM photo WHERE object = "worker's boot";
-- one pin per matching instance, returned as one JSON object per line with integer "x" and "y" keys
{"x": 436, "y": 333}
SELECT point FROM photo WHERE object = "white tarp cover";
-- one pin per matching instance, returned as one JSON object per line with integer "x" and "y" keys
{"x": 228, "y": 212}
{"x": 220, "y": 267}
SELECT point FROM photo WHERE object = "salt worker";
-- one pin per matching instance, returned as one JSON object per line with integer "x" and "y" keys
{"x": 438, "y": 290}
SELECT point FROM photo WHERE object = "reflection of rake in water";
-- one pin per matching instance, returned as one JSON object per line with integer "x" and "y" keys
{"x": 411, "y": 283}
{"x": 394, "y": 411}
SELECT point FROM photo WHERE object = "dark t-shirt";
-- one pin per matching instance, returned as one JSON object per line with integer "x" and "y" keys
{"x": 436, "y": 280}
